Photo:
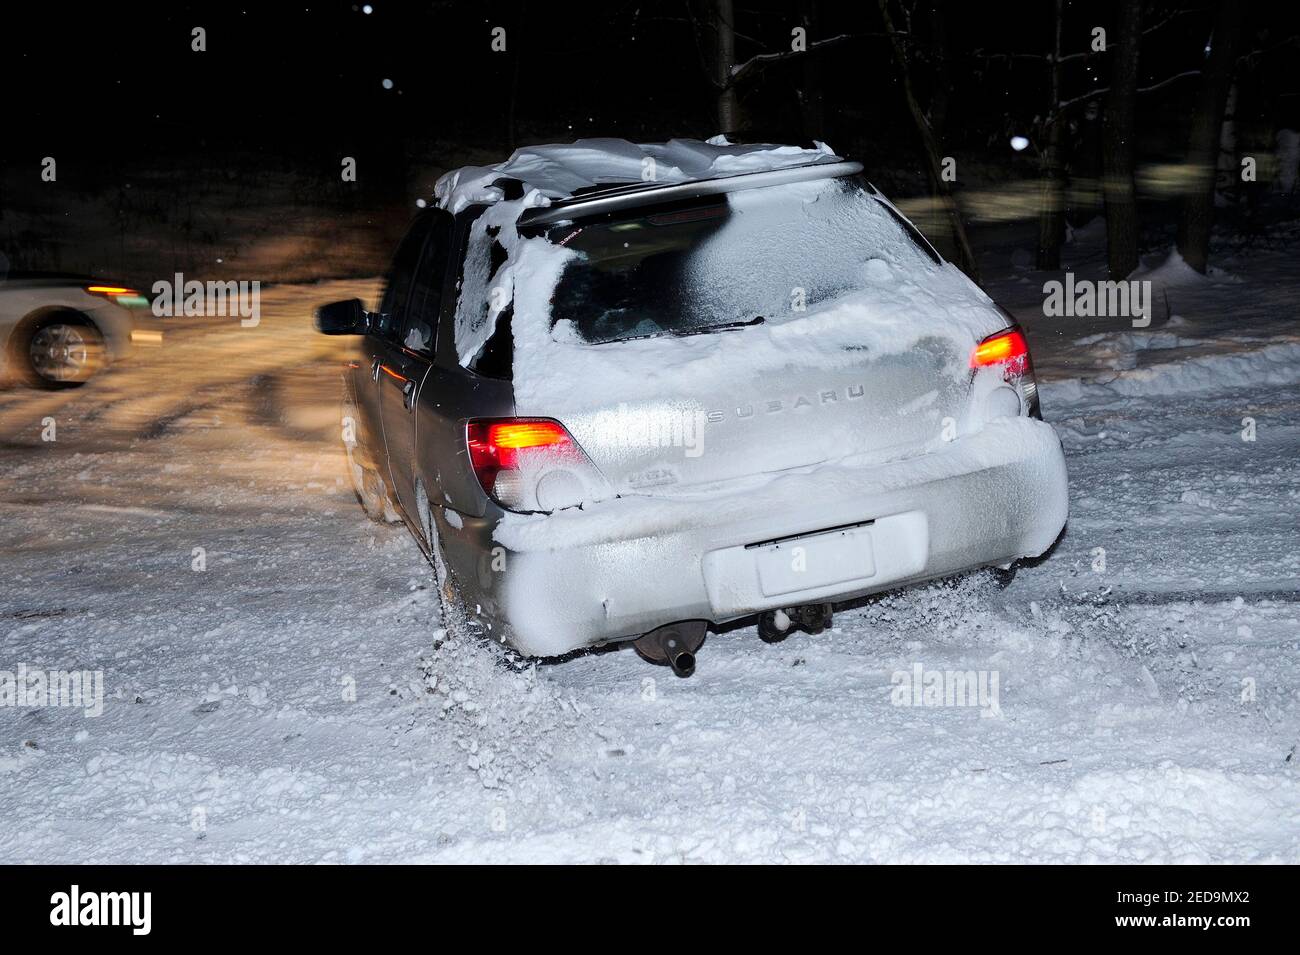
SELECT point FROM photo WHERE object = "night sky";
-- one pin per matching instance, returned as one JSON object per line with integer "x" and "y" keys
{"x": 292, "y": 78}
{"x": 155, "y": 141}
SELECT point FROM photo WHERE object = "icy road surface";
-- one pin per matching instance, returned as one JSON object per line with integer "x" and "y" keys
{"x": 296, "y": 701}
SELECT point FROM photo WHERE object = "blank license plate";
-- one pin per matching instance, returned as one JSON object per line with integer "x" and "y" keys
{"x": 807, "y": 563}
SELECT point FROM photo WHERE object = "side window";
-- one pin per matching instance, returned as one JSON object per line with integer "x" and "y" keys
{"x": 419, "y": 331}
{"x": 474, "y": 321}
{"x": 401, "y": 277}
{"x": 495, "y": 357}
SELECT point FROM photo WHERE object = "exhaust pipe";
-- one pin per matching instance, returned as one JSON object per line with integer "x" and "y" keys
{"x": 674, "y": 645}
{"x": 679, "y": 658}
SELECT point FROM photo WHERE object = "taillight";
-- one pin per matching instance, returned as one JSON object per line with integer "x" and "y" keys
{"x": 528, "y": 463}
{"x": 1008, "y": 350}
{"x": 1005, "y": 348}
{"x": 120, "y": 294}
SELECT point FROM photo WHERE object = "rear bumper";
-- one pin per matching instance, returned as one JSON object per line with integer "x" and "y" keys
{"x": 620, "y": 568}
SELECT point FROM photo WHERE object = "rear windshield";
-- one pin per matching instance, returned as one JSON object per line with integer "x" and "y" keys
{"x": 746, "y": 257}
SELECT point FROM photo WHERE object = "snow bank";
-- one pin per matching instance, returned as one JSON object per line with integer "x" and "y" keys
{"x": 1173, "y": 271}
{"x": 1272, "y": 366}
{"x": 1119, "y": 351}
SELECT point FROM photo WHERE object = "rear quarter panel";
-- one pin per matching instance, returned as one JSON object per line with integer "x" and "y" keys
{"x": 448, "y": 398}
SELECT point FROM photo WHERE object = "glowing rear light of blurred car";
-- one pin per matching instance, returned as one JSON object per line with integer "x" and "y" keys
{"x": 120, "y": 294}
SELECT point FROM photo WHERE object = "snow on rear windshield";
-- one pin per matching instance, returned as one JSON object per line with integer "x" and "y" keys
{"x": 744, "y": 257}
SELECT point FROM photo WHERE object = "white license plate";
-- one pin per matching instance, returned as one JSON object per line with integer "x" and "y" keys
{"x": 806, "y": 563}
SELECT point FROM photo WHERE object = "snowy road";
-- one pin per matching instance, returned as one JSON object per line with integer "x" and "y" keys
{"x": 287, "y": 703}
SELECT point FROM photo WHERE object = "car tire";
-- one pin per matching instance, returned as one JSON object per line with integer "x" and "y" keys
{"x": 62, "y": 350}
{"x": 368, "y": 484}
{"x": 1004, "y": 577}
{"x": 444, "y": 582}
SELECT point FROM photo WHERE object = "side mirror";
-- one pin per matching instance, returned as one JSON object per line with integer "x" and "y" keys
{"x": 342, "y": 318}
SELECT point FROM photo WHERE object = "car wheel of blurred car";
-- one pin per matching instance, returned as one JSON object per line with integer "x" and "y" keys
{"x": 373, "y": 492}
{"x": 62, "y": 351}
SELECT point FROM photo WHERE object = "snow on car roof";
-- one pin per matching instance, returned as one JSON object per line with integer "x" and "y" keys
{"x": 560, "y": 171}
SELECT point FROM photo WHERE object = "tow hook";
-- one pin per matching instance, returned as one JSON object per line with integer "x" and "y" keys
{"x": 775, "y": 625}
{"x": 674, "y": 645}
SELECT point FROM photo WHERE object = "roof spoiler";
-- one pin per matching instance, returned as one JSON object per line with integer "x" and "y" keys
{"x": 635, "y": 194}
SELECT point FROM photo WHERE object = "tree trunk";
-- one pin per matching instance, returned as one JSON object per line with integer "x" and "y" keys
{"x": 1203, "y": 141}
{"x": 1227, "y": 176}
{"x": 514, "y": 78}
{"x": 942, "y": 74}
{"x": 940, "y": 83}
{"x": 724, "y": 58}
{"x": 934, "y": 162}
{"x": 1051, "y": 213}
{"x": 811, "y": 98}
{"x": 1118, "y": 186}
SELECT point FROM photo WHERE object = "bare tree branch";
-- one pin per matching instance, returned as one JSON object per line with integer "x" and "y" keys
{"x": 699, "y": 49}
{"x": 742, "y": 70}
{"x": 939, "y": 187}
{"x": 1094, "y": 94}
{"x": 1169, "y": 19}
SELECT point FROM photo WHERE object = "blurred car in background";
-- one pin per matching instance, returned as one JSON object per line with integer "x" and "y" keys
{"x": 60, "y": 330}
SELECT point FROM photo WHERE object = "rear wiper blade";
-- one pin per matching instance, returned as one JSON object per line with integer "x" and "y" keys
{"x": 721, "y": 327}
{"x": 682, "y": 333}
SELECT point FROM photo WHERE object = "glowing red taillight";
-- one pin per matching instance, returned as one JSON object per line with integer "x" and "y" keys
{"x": 1009, "y": 351}
{"x": 1004, "y": 348}
{"x": 495, "y": 446}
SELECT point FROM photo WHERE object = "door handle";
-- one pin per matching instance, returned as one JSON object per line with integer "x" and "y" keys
{"x": 408, "y": 394}
{"x": 374, "y": 368}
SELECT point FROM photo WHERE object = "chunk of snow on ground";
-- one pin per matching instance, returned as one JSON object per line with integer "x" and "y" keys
{"x": 1172, "y": 272}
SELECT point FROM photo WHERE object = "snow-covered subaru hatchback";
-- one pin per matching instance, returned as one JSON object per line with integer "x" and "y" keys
{"x": 621, "y": 392}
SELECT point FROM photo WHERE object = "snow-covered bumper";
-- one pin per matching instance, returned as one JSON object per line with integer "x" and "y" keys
{"x": 620, "y": 568}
